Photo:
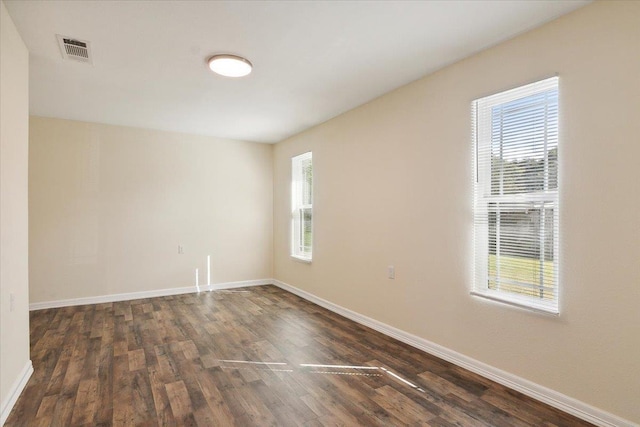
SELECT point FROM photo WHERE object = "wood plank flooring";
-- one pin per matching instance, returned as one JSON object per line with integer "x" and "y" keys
{"x": 255, "y": 356}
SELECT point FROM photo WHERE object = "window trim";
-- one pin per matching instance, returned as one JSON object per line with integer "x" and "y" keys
{"x": 296, "y": 162}
{"x": 480, "y": 288}
{"x": 301, "y": 259}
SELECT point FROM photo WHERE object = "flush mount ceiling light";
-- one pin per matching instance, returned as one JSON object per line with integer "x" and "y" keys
{"x": 230, "y": 65}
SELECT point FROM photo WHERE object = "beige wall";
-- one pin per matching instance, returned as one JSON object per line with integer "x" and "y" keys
{"x": 393, "y": 186}
{"x": 109, "y": 206}
{"x": 14, "y": 139}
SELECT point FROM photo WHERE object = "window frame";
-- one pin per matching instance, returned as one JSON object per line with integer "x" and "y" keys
{"x": 298, "y": 208}
{"x": 482, "y": 128}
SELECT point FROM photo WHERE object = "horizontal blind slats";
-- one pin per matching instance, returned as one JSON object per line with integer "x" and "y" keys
{"x": 516, "y": 199}
{"x": 302, "y": 205}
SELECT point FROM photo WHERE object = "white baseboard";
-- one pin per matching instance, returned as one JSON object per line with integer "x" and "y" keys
{"x": 146, "y": 294}
{"x": 17, "y": 387}
{"x": 550, "y": 397}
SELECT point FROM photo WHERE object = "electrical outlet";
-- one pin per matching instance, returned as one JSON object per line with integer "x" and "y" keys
{"x": 12, "y": 302}
{"x": 391, "y": 272}
{"x": 180, "y": 249}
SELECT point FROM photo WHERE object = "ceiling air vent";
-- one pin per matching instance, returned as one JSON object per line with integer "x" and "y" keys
{"x": 78, "y": 50}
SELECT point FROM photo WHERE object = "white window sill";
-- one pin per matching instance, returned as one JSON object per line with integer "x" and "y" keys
{"x": 526, "y": 303}
{"x": 301, "y": 259}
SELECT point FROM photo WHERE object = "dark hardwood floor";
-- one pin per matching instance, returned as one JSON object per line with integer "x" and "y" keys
{"x": 255, "y": 356}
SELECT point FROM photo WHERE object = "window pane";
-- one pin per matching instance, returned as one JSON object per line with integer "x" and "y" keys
{"x": 524, "y": 144}
{"x": 307, "y": 181}
{"x": 521, "y": 248}
{"x": 306, "y": 230}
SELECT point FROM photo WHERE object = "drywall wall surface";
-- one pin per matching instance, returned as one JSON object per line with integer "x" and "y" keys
{"x": 109, "y": 206}
{"x": 393, "y": 186}
{"x": 14, "y": 142}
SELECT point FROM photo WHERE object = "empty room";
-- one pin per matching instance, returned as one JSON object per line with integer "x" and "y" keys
{"x": 320, "y": 213}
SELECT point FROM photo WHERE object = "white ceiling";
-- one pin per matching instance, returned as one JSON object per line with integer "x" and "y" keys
{"x": 312, "y": 59}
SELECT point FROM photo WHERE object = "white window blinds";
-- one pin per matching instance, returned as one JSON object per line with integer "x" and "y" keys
{"x": 516, "y": 196}
{"x": 302, "y": 206}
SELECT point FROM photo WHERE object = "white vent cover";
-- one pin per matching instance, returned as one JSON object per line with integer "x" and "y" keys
{"x": 77, "y": 50}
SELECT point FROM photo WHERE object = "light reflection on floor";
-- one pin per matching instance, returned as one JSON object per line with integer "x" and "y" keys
{"x": 249, "y": 361}
{"x": 313, "y": 365}
{"x": 227, "y": 291}
{"x": 335, "y": 370}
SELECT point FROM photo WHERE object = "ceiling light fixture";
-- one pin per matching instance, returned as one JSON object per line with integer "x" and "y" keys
{"x": 230, "y": 65}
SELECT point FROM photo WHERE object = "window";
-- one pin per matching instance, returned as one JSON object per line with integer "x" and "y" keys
{"x": 516, "y": 196}
{"x": 302, "y": 206}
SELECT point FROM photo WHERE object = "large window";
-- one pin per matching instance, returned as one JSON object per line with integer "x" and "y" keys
{"x": 302, "y": 206}
{"x": 516, "y": 196}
